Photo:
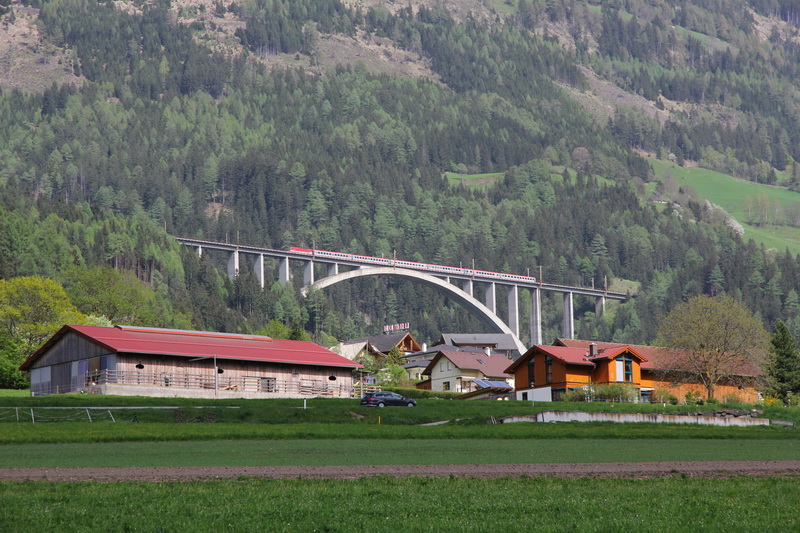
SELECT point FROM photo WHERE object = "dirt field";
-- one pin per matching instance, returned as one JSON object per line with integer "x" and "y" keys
{"x": 622, "y": 470}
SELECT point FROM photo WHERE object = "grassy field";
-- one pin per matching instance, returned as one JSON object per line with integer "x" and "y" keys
{"x": 406, "y": 504}
{"x": 474, "y": 181}
{"x": 339, "y": 432}
{"x": 391, "y": 451}
{"x": 730, "y": 194}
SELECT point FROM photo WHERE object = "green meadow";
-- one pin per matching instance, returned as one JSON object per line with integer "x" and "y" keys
{"x": 405, "y": 505}
{"x": 730, "y": 194}
{"x": 185, "y": 433}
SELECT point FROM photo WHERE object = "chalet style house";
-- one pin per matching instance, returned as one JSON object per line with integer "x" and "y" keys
{"x": 134, "y": 361}
{"x": 545, "y": 373}
{"x": 379, "y": 346}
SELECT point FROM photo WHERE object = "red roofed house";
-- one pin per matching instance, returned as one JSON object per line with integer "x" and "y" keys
{"x": 134, "y": 361}
{"x": 455, "y": 369}
{"x": 544, "y": 373}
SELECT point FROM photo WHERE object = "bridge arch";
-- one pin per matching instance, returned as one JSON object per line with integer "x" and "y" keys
{"x": 484, "y": 314}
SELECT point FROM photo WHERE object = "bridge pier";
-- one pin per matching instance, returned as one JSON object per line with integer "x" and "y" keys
{"x": 308, "y": 273}
{"x": 283, "y": 270}
{"x": 536, "y": 316}
{"x": 333, "y": 269}
{"x": 513, "y": 309}
{"x": 569, "y": 317}
{"x": 199, "y": 251}
{"x": 600, "y": 306}
{"x": 491, "y": 298}
{"x": 467, "y": 287}
{"x": 233, "y": 264}
{"x": 258, "y": 268}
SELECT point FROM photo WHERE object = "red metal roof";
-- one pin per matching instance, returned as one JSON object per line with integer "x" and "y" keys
{"x": 196, "y": 344}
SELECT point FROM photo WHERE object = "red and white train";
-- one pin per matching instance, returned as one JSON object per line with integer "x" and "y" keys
{"x": 425, "y": 267}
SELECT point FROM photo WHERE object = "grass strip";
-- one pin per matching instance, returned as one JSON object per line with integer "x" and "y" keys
{"x": 85, "y": 432}
{"x": 389, "y": 452}
{"x": 406, "y": 504}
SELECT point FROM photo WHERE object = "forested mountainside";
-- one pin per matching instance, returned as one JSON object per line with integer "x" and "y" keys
{"x": 318, "y": 122}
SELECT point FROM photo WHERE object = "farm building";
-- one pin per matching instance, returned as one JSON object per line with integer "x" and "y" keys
{"x": 545, "y": 373}
{"x": 134, "y": 361}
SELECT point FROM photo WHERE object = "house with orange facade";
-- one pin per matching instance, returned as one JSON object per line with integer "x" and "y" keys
{"x": 546, "y": 373}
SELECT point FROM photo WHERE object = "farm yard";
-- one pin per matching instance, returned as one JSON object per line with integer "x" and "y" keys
{"x": 180, "y": 465}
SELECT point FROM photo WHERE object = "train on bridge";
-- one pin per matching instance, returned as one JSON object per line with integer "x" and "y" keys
{"x": 425, "y": 267}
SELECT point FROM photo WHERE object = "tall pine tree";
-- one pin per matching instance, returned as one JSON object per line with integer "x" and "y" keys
{"x": 784, "y": 371}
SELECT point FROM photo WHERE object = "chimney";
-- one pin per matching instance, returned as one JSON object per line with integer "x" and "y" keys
{"x": 592, "y": 349}
{"x": 488, "y": 351}
{"x": 424, "y": 346}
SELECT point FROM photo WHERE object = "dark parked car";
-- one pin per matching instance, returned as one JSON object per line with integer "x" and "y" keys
{"x": 382, "y": 399}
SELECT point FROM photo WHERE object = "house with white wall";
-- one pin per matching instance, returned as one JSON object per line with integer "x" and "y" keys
{"x": 456, "y": 368}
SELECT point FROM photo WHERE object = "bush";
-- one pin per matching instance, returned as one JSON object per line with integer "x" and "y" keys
{"x": 712, "y": 401}
{"x": 574, "y": 395}
{"x": 693, "y": 398}
{"x": 614, "y": 393}
{"x": 732, "y": 399}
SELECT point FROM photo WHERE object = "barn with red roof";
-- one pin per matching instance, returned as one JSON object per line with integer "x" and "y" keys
{"x": 127, "y": 360}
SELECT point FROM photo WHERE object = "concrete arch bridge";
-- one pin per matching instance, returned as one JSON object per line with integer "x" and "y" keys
{"x": 457, "y": 282}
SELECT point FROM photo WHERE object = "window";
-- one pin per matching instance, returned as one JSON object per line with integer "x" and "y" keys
{"x": 624, "y": 369}
{"x": 268, "y": 385}
{"x": 446, "y": 385}
{"x": 449, "y": 366}
{"x": 441, "y": 366}
{"x": 548, "y": 369}
{"x": 531, "y": 380}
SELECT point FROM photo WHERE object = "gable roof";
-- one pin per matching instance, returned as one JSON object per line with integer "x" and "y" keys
{"x": 655, "y": 357}
{"x": 574, "y": 356}
{"x": 499, "y": 341}
{"x": 382, "y": 343}
{"x": 198, "y": 344}
{"x": 578, "y": 355}
{"x": 492, "y": 365}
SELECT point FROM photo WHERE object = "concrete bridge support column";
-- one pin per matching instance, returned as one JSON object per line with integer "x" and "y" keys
{"x": 199, "y": 251}
{"x": 308, "y": 273}
{"x": 258, "y": 268}
{"x": 283, "y": 270}
{"x": 466, "y": 286}
{"x": 491, "y": 298}
{"x": 233, "y": 264}
{"x": 536, "y": 316}
{"x": 333, "y": 269}
{"x": 600, "y": 306}
{"x": 569, "y": 317}
{"x": 513, "y": 309}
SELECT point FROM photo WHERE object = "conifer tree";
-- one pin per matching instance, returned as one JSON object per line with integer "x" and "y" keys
{"x": 784, "y": 372}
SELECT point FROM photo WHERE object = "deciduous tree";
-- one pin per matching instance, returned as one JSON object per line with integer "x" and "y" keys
{"x": 714, "y": 340}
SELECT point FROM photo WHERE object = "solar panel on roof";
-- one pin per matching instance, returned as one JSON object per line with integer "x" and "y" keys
{"x": 488, "y": 383}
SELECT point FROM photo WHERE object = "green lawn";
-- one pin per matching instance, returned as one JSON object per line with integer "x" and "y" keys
{"x": 406, "y": 504}
{"x": 391, "y": 451}
{"x": 730, "y": 194}
{"x": 278, "y": 432}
